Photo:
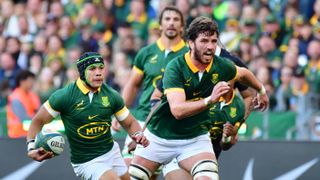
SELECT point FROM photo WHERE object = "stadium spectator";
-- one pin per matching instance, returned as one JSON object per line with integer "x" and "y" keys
{"x": 8, "y": 69}
{"x": 45, "y": 84}
{"x": 22, "y": 104}
{"x": 284, "y": 91}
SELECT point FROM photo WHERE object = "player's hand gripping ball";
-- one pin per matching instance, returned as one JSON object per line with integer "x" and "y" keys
{"x": 50, "y": 141}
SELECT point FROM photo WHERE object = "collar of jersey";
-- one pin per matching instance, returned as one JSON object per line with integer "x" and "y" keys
{"x": 221, "y": 99}
{"x": 83, "y": 88}
{"x": 193, "y": 68}
{"x": 175, "y": 48}
{"x": 142, "y": 19}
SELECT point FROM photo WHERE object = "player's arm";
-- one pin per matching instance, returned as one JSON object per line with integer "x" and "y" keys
{"x": 128, "y": 122}
{"x": 181, "y": 108}
{"x": 131, "y": 89}
{"x": 248, "y": 96}
{"x": 41, "y": 118}
{"x": 246, "y": 77}
{"x": 230, "y": 135}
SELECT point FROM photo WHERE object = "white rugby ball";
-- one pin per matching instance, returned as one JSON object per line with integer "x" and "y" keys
{"x": 50, "y": 141}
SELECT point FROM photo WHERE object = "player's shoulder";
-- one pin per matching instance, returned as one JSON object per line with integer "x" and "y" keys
{"x": 179, "y": 60}
{"x": 108, "y": 90}
{"x": 69, "y": 88}
{"x": 221, "y": 60}
{"x": 232, "y": 57}
{"x": 149, "y": 48}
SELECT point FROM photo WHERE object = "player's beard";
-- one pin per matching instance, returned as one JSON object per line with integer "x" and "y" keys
{"x": 198, "y": 55}
{"x": 171, "y": 34}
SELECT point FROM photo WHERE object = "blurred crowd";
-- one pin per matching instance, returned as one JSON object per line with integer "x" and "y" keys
{"x": 279, "y": 40}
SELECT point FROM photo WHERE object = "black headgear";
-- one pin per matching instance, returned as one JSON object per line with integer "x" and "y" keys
{"x": 85, "y": 61}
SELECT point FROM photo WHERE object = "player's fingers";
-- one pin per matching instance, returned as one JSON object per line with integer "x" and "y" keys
{"x": 41, "y": 151}
{"x": 144, "y": 141}
{"x": 47, "y": 155}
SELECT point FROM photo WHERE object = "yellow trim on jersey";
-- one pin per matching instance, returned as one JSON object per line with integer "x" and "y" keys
{"x": 122, "y": 114}
{"x": 160, "y": 45}
{"x": 83, "y": 88}
{"x": 193, "y": 68}
{"x": 175, "y": 48}
{"x": 178, "y": 46}
{"x": 50, "y": 110}
{"x": 139, "y": 71}
{"x": 173, "y": 90}
{"x": 233, "y": 79}
{"x": 141, "y": 19}
{"x": 230, "y": 101}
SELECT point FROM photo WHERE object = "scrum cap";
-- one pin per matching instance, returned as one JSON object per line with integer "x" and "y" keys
{"x": 85, "y": 61}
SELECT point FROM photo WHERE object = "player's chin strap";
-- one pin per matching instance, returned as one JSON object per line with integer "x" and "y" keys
{"x": 132, "y": 145}
{"x": 208, "y": 168}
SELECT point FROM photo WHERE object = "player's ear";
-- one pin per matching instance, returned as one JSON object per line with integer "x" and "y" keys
{"x": 191, "y": 44}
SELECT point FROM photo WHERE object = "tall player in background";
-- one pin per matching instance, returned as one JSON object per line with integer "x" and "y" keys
{"x": 150, "y": 63}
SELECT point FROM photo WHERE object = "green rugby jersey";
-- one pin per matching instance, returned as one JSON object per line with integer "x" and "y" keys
{"x": 87, "y": 124}
{"x": 182, "y": 75}
{"x": 221, "y": 112}
{"x": 151, "y": 62}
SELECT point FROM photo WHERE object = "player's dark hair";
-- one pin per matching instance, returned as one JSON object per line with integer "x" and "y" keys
{"x": 23, "y": 75}
{"x": 202, "y": 25}
{"x": 171, "y": 8}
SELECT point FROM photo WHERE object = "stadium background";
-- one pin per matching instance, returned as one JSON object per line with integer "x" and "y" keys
{"x": 39, "y": 34}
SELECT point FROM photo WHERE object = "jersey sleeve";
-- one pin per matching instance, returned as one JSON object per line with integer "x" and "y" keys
{"x": 239, "y": 63}
{"x": 228, "y": 69}
{"x": 57, "y": 101}
{"x": 173, "y": 79}
{"x": 138, "y": 62}
{"x": 120, "y": 111}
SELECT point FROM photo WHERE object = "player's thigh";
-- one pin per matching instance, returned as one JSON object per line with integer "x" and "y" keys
{"x": 197, "y": 154}
{"x": 178, "y": 174}
{"x": 95, "y": 168}
{"x": 190, "y": 162}
{"x": 172, "y": 171}
{"x": 109, "y": 175}
{"x": 126, "y": 176}
{"x": 201, "y": 166}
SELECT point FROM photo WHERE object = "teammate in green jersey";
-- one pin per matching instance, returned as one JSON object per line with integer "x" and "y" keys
{"x": 226, "y": 117}
{"x": 86, "y": 107}
{"x": 191, "y": 83}
{"x": 150, "y": 63}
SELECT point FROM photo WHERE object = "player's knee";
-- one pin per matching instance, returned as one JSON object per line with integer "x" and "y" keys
{"x": 208, "y": 168}
{"x": 138, "y": 172}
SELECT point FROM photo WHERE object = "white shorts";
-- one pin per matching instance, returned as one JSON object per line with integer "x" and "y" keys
{"x": 163, "y": 151}
{"x": 94, "y": 168}
{"x": 171, "y": 166}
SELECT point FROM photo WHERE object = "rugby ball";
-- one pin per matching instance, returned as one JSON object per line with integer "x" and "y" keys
{"x": 50, "y": 141}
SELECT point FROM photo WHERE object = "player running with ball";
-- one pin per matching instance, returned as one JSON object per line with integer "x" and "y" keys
{"x": 86, "y": 107}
